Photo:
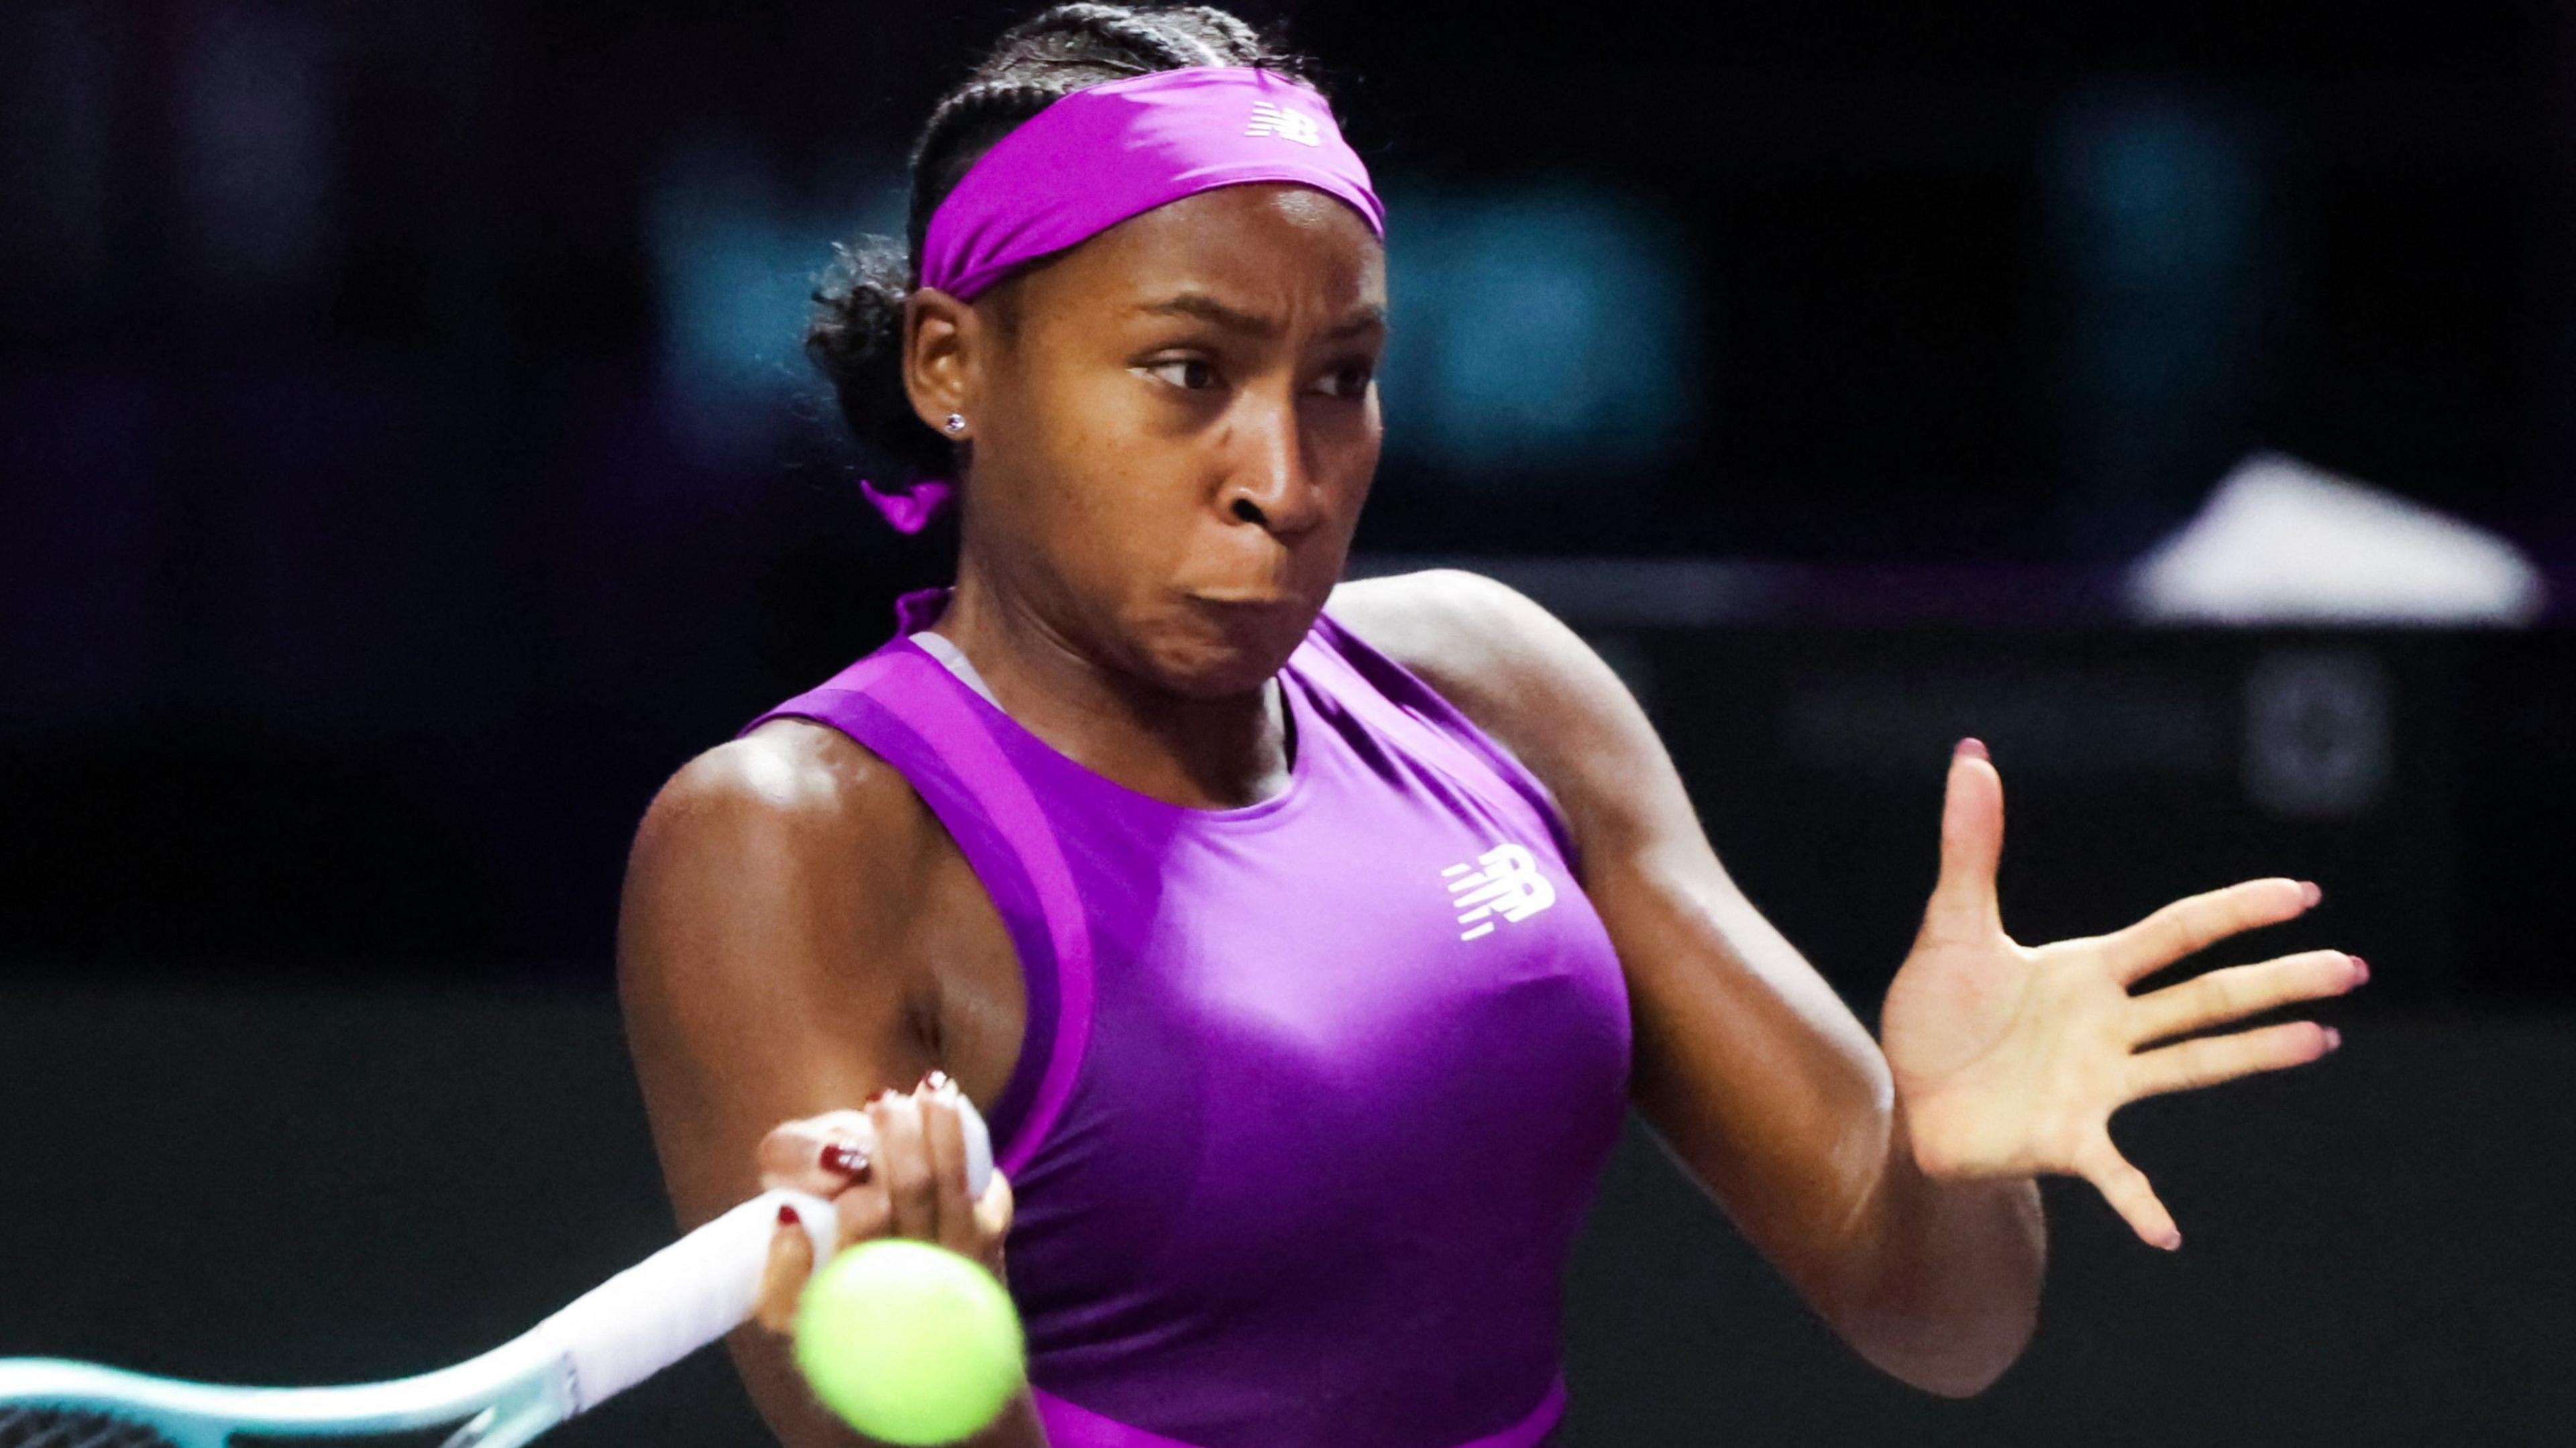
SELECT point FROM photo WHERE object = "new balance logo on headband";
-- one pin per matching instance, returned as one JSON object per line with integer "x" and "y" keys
{"x": 1287, "y": 125}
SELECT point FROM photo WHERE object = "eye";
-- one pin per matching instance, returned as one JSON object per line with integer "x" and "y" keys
{"x": 1351, "y": 381}
{"x": 1190, "y": 373}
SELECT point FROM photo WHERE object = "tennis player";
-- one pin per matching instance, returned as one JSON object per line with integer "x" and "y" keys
{"x": 1303, "y": 942}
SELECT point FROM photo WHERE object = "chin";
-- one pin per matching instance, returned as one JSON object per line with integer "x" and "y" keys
{"x": 1214, "y": 650}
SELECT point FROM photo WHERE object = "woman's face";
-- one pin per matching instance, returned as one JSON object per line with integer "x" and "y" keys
{"x": 1174, "y": 425}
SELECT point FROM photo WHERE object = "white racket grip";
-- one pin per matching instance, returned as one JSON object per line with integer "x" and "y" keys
{"x": 678, "y": 1300}
{"x": 701, "y": 1287}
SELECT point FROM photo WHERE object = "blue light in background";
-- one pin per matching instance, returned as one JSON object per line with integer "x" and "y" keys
{"x": 1540, "y": 332}
{"x": 2157, "y": 199}
{"x": 736, "y": 255}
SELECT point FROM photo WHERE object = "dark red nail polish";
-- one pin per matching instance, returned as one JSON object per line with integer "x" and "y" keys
{"x": 887, "y": 1093}
{"x": 1973, "y": 748}
{"x": 934, "y": 1078}
{"x": 848, "y": 1160}
{"x": 787, "y": 1216}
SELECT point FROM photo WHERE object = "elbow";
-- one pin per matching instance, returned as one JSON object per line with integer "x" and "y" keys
{"x": 1953, "y": 1321}
{"x": 1952, "y": 1350}
{"x": 1961, "y": 1379}
{"x": 1945, "y": 1365}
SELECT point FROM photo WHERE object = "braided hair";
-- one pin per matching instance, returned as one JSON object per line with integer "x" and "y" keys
{"x": 855, "y": 338}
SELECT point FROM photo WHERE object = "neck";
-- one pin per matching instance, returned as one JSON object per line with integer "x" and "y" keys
{"x": 1203, "y": 753}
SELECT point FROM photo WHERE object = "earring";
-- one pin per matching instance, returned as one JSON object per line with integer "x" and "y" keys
{"x": 956, "y": 424}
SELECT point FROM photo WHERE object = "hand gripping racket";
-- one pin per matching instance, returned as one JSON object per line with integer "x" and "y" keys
{"x": 609, "y": 1339}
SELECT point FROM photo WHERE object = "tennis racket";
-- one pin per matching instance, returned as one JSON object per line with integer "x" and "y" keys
{"x": 609, "y": 1339}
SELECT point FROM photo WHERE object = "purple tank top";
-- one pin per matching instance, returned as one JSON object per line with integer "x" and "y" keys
{"x": 1313, "y": 1094}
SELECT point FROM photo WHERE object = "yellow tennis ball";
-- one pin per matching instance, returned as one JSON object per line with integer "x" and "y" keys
{"x": 910, "y": 1342}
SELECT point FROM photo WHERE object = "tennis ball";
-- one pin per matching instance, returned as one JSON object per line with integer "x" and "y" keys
{"x": 909, "y": 1342}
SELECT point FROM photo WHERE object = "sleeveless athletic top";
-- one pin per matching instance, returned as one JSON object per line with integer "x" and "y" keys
{"x": 1313, "y": 1093}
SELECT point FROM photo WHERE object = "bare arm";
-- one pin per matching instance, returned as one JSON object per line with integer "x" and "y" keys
{"x": 770, "y": 948}
{"x": 1755, "y": 1075}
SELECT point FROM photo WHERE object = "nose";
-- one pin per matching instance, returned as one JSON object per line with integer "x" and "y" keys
{"x": 1267, "y": 482}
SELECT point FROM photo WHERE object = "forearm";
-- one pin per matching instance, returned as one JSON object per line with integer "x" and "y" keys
{"x": 1774, "y": 1096}
{"x": 1948, "y": 1294}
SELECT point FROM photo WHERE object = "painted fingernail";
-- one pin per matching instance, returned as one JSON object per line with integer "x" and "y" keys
{"x": 850, "y": 1161}
{"x": 934, "y": 1078}
{"x": 884, "y": 1094}
{"x": 2334, "y": 1039}
{"x": 2310, "y": 891}
{"x": 787, "y": 1216}
{"x": 2360, "y": 971}
{"x": 1973, "y": 748}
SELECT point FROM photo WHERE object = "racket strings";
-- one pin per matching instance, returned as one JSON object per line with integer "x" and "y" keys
{"x": 23, "y": 1427}
{"x": 408, "y": 1439}
{"x": 67, "y": 1428}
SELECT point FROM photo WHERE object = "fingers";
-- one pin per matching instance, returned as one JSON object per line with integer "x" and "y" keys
{"x": 1972, "y": 845}
{"x": 893, "y": 1168}
{"x": 2244, "y": 990}
{"x": 991, "y": 1218}
{"x": 994, "y": 1209}
{"x": 818, "y": 1154}
{"x": 2210, "y": 1060}
{"x": 944, "y": 1136}
{"x": 903, "y": 1167}
{"x": 862, "y": 1209}
{"x": 920, "y": 1191}
{"x": 2126, "y": 1189}
{"x": 2187, "y": 927}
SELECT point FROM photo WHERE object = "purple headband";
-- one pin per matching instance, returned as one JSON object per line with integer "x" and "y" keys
{"x": 1112, "y": 151}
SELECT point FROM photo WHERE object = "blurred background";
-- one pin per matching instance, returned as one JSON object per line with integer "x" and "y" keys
{"x": 406, "y": 463}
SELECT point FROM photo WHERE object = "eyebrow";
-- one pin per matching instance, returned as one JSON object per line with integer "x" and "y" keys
{"x": 1208, "y": 309}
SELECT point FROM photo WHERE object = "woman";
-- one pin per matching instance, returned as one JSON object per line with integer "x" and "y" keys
{"x": 1303, "y": 943}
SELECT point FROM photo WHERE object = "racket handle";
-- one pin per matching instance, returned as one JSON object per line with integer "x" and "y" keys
{"x": 701, "y": 1287}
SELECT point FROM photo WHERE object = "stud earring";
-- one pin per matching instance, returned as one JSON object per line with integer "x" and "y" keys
{"x": 956, "y": 424}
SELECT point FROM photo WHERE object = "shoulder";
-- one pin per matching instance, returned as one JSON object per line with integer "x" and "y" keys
{"x": 787, "y": 783}
{"x": 1492, "y": 651}
{"x": 1521, "y": 675}
{"x": 793, "y": 827}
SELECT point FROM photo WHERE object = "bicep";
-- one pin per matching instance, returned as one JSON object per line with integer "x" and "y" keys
{"x": 751, "y": 971}
{"x": 757, "y": 971}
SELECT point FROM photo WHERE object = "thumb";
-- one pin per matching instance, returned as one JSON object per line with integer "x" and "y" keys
{"x": 2126, "y": 1189}
{"x": 782, "y": 1277}
{"x": 1972, "y": 845}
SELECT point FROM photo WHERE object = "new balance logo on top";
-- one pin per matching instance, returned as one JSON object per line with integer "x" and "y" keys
{"x": 1509, "y": 885}
{"x": 1288, "y": 125}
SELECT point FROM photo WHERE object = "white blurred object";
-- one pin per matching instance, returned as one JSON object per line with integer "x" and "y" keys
{"x": 2282, "y": 542}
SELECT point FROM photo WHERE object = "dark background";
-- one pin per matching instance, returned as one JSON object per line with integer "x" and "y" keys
{"x": 405, "y": 466}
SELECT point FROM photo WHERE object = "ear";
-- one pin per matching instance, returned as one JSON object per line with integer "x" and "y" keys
{"x": 943, "y": 344}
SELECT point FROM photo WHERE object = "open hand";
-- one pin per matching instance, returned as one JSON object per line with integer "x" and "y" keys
{"x": 2010, "y": 1059}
